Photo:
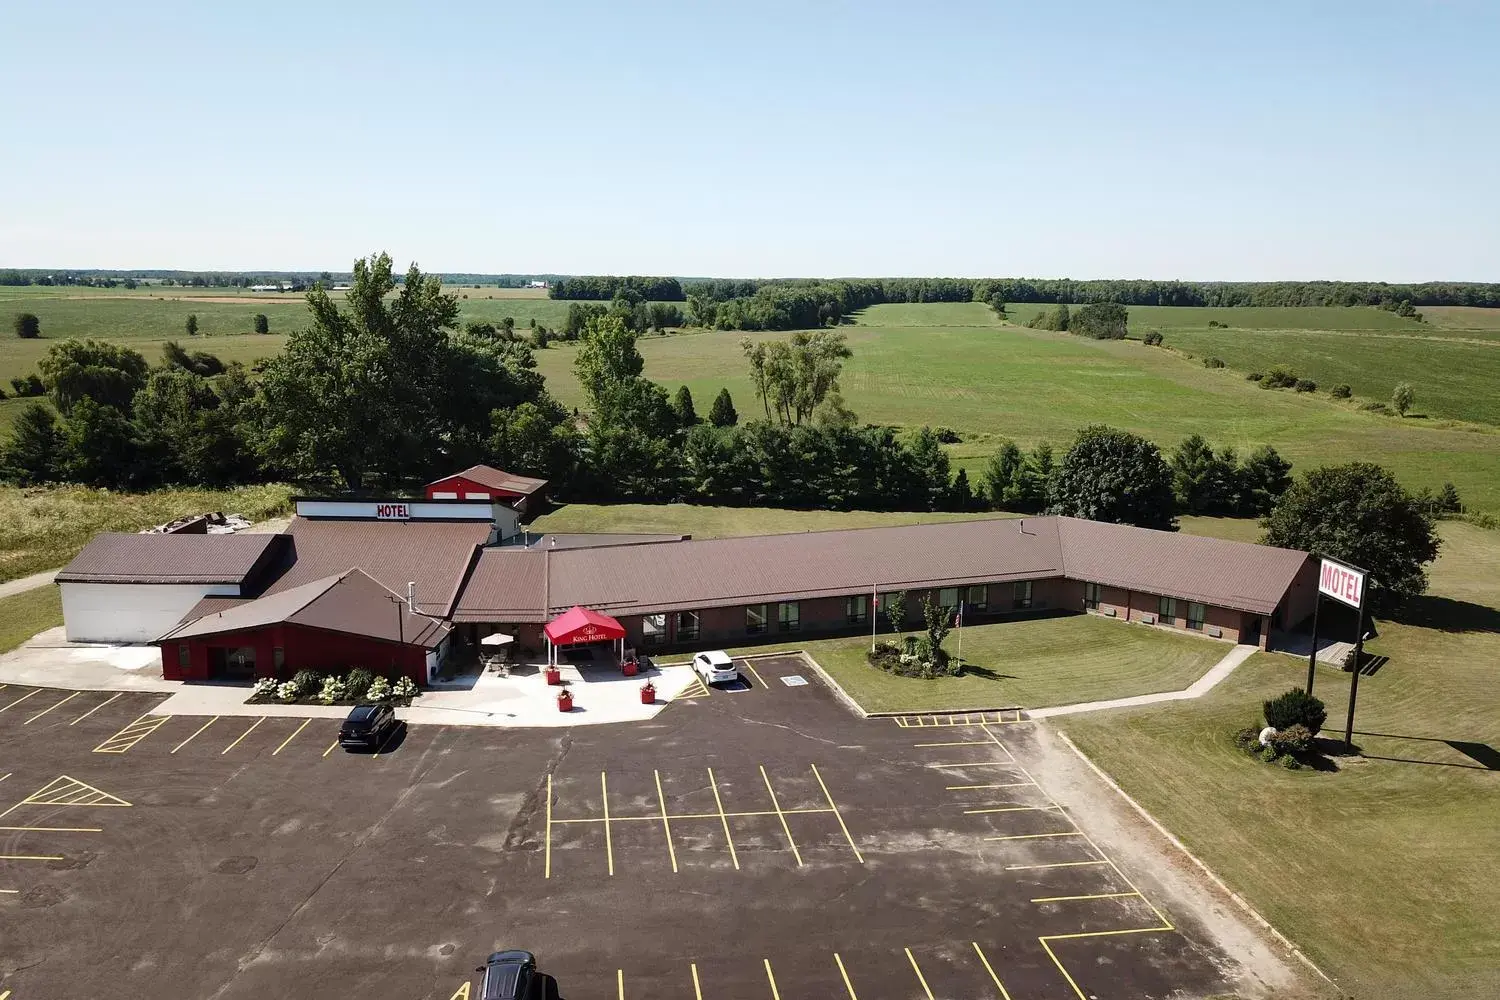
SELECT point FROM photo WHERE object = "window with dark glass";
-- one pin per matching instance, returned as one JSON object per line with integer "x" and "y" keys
{"x": 687, "y": 625}
{"x": 857, "y": 609}
{"x": 1023, "y": 593}
{"x": 1091, "y": 596}
{"x": 755, "y": 619}
{"x": 978, "y": 598}
{"x": 1195, "y": 616}
{"x": 789, "y": 616}
{"x": 653, "y": 629}
{"x": 1167, "y": 610}
{"x": 948, "y": 598}
{"x": 184, "y": 656}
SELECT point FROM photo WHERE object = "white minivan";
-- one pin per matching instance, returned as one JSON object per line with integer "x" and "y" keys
{"x": 715, "y": 667}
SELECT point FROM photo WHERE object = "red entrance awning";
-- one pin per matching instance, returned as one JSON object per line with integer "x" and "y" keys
{"x": 582, "y": 625}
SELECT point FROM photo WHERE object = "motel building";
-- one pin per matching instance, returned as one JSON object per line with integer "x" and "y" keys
{"x": 411, "y": 586}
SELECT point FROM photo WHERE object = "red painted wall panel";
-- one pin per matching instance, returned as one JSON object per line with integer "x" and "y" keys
{"x": 303, "y": 649}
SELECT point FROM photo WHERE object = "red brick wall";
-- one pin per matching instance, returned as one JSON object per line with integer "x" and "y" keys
{"x": 303, "y": 649}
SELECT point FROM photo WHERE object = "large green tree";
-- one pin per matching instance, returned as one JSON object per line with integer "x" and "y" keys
{"x": 1113, "y": 475}
{"x": 723, "y": 414}
{"x": 607, "y": 358}
{"x": 107, "y": 373}
{"x": 30, "y": 455}
{"x": 359, "y": 391}
{"x": 1358, "y": 513}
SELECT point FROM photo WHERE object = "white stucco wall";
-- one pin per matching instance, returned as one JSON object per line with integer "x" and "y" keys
{"x": 130, "y": 612}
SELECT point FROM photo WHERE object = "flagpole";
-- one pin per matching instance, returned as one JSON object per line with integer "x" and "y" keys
{"x": 874, "y": 613}
{"x": 960, "y": 635}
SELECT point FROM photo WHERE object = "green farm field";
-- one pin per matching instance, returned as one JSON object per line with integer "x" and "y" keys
{"x": 988, "y": 382}
{"x": 1382, "y": 871}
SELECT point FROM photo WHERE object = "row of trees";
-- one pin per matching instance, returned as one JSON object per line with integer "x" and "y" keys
{"x": 606, "y": 287}
{"x": 636, "y": 316}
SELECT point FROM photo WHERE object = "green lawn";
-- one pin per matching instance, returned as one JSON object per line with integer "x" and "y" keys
{"x": 25, "y": 614}
{"x": 928, "y": 314}
{"x": 1169, "y": 318}
{"x": 1030, "y": 663}
{"x": 43, "y": 528}
{"x": 703, "y": 521}
{"x": 1384, "y": 871}
{"x": 989, "y": 382}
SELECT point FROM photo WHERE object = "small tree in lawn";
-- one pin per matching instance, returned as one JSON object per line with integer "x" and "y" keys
{"x": 895, "y": 610}
{"x": 191, "y": 326}
{"x": 723, "y": 413}
{"x": 939, "y": 622}
{"x": 682, "y": 406}
{"x": 1403, "y": 397}
{"x": 1295, "y": 708}
{"x": 262, "y": 324}
{"x": 28, "y": 326}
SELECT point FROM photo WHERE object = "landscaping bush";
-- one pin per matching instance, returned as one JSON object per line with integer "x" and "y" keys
{"x": 404, "y": 687}
{"x": 333, "y": 691}
{"x": 1295, "y": 708}
{"x": 1341, "y": 391}
{"x": 1292, "y": 740}
{"x": 1248, "y": 739}
{"x": 357, "y": 683}
{"x": 307, "y": 682}
{"x": 287, "y": 692}
{"x": 264, "y": 687}
{"x": 1153, "y": 338}
{"x": 1306, "y": 385}
{"x": 380, "y": 689}
{"x": 1212, "y": 363}
{"x": 1254, "y": 377}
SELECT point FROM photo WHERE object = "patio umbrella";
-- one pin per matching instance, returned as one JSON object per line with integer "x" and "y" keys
{"x": 497, "y": 639}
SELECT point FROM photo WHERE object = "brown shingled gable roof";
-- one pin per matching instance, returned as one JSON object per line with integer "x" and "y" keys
{"x": 349, "y": 602}
{"x": 527, "y": 585}
{"x": 435, "y": 555}
{"x": 496, "y": 479}
{"x": 116, "y": 557}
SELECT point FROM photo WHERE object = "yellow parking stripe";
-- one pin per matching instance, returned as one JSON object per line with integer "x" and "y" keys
{"x": 1037, "y": 836}
{"x": 697, "y": 990}
{"x": 291, "y": 737}
{"x": 247, "y": 732}
{"x": 777, "y": 806}
{"x": 751, "y": 666}
{"x": 195, "y": 733}
{"x": 29, "y": 694}
{"x": 620, "y": 982}
{"x": 920, "y": 978}
{"x": 1097, "y": 895}
{"x": 770, "y": 977}
{"x": 1062, "y": 864}
{"x": 331, "y": 747}
{"x": 548, "y": 871}
{"x": 31, "y": 857}
{"x": 837, "y": 961}
{"x": 44, "y": 711}
{"x": 988, "y": 968}
{"x": 733, "y": 856}
{"x": 609, "y": 845}
{"x": 838, "y": 815}
{"x": 132, "y": 734}
{"x": 1010, "y": 809}
{"x": 666, "y": 825}
{"x": 96, "y": 708}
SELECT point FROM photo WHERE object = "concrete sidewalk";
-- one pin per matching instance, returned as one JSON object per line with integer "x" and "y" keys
{"x": 1200, "y": 687}
{"x": 12, "y": 587}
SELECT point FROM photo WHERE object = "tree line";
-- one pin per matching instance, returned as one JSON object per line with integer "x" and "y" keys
{"x": 606, "y": 287}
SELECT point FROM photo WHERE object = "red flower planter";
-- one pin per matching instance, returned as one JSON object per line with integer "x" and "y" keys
{"x": 629, "y": 668}
{"x": 565, "y": 701}
{"x": 648, "y": 693}
{"x": 554, "y": 676}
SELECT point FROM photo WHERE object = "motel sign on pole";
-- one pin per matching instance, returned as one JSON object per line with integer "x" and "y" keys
{"x": 1345, "y": 584}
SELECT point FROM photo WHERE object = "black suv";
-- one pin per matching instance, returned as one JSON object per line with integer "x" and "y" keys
{"x": 508, "y": 975}
{"x": 367, "y": 727}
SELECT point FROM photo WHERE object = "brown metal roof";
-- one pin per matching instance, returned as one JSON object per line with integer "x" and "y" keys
{"x": 1239, "y": 575}
{"x": 506, "y": 586}
{"x": 349, "y": 602}
{"x": 433, "y": 554}
{"x": 527, "y": 585}
{"x": 212, "y": 559}
{"x": 495, "y": 479}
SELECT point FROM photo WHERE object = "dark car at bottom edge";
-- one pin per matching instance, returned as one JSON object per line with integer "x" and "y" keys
{"x": 367, "y": 727}
{"x": 508, "y": 975}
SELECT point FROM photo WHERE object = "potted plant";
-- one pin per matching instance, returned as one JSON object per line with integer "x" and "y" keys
{"x": 648, "y": 693}
{"x": 629, "y": 668}
{"x": 565, "y": 700}
{"x": 554, "y": 675}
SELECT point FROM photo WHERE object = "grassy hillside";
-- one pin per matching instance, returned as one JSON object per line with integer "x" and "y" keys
{"x": 989, "y": 382}
{"x": 1382, "y": 870}
{"x": 43, "y": 528}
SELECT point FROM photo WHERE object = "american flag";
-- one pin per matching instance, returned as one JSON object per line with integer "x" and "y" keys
{"x": 958, "y": 618}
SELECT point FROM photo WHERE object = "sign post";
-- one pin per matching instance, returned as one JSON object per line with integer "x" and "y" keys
{"x": 1347, "y": 585}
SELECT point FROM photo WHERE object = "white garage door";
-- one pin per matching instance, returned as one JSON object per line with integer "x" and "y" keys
{"x": 129, "y": 612}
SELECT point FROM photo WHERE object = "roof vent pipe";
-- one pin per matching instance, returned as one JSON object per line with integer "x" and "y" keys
{"x": 411, "y": 596}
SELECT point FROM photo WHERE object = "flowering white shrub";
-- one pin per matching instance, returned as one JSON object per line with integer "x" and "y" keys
{"x": 286, "y": 691}
{"x": 265, "y": 686}
{"x": 380, "y": 689}
{"x": 333, "y": 690}
{"x": 404, "y": 688}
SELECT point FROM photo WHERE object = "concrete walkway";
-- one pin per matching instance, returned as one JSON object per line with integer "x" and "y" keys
{"x": 1200, "y": 687}
{"x": 25, "y": 583}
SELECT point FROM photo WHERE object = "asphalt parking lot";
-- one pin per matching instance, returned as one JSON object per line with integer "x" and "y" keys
{"x": 755, "y": 842}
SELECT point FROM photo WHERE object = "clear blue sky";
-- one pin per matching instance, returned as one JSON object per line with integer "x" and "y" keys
{"x": 1254, "y": 140}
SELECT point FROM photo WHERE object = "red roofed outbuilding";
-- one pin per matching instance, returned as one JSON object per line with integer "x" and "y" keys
{"x": 482, "y": 482}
